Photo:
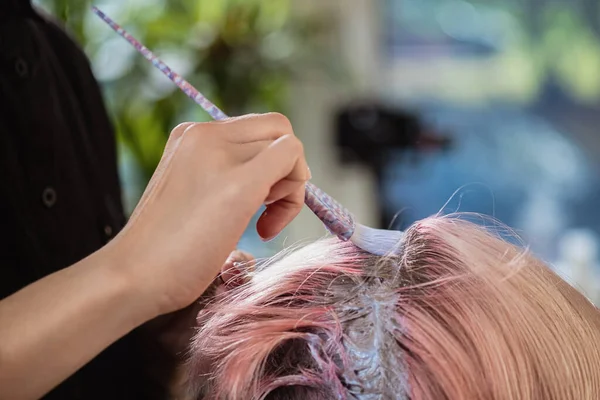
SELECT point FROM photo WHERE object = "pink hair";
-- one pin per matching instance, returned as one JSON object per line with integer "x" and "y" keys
{"x": 459, "y": 314}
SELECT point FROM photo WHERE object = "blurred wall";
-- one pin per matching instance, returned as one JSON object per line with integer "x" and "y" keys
{"x": 313, "y": 101}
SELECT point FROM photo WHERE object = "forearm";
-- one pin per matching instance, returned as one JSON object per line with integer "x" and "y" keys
{"x": 53, "y": 327}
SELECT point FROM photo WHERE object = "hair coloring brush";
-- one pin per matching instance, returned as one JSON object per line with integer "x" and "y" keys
{"x": 336, "y": 218}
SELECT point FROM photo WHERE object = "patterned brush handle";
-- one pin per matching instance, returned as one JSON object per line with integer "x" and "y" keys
{"x": 184, "y": 85}
{"x": 336, "y": 218}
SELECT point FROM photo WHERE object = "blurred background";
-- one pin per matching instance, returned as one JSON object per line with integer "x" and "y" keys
{"x": 406, "y": 107}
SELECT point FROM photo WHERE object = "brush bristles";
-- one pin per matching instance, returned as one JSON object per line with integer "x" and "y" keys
{"x": 380, "y": 242}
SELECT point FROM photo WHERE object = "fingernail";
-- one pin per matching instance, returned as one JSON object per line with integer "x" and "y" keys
{"x": 308, "y": 174}
{"x": 267, "y": 239}
{"x": 269, "y": 202}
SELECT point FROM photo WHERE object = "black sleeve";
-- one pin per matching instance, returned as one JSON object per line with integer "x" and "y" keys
{"x": 60, "y": 198}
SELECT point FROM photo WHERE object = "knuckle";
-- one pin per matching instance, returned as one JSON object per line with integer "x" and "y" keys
{"x": 182, "y": 126}
{"x": 180, "y": 129}
{"x": 281, "y": 121}
{"x": 300, "y": 146}
{"x": 188, "y": 128}
{"x": 198, "y": 127}
{"x": 297, "y": 146}
{"x": 199, "y": 131}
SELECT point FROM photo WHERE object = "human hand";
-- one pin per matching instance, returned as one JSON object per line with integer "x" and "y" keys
{"x": 174, "y": 331}
{"x": 233, "y": 272}
{"x": 167, "y": 337}
{"x": 212, "y": 178}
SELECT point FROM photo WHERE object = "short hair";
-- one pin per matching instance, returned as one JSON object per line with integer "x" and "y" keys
{"x": 459, "y": 313}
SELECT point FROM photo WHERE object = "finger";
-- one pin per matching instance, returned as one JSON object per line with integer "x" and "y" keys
{"x": 252, "y": 133}
{"x": 254, "y": 127}
{"x": 282, "y": 189}
{"x": 244, "y": 152}
{"x": 236, "y": 267}
{"x": 279, "y": 214}
{"x": 282, "y": 159}
{"x": 238, "y": 258}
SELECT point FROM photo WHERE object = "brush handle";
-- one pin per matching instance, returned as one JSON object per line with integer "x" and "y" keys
{"x": 184, "y": 85}
{"x": 336, "y": 218}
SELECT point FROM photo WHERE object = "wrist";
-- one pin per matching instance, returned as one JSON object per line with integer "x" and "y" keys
{"x": 127, "y": 289}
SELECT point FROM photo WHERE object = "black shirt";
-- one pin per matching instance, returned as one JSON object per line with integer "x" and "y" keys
{"x": 59, "y": 189}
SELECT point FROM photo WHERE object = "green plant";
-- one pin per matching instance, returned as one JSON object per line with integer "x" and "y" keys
{"x": 239, "y": 53}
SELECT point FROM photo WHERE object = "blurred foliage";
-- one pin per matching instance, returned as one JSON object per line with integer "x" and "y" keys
{"x": 562, "y": 38}
{"x": 240, "y": 53}
{"x": 545, "y": 42}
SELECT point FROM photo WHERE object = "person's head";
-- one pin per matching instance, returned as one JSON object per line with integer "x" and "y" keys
{"x": 458, "y": 314}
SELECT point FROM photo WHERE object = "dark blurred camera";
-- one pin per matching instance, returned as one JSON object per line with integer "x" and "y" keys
{"x": 366, "y": 132}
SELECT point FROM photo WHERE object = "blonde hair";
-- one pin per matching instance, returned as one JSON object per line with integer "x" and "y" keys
{"x": 459, "y": 314}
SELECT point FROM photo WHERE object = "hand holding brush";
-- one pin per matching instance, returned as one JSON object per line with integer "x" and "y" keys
{"x": 336, "y": 218}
